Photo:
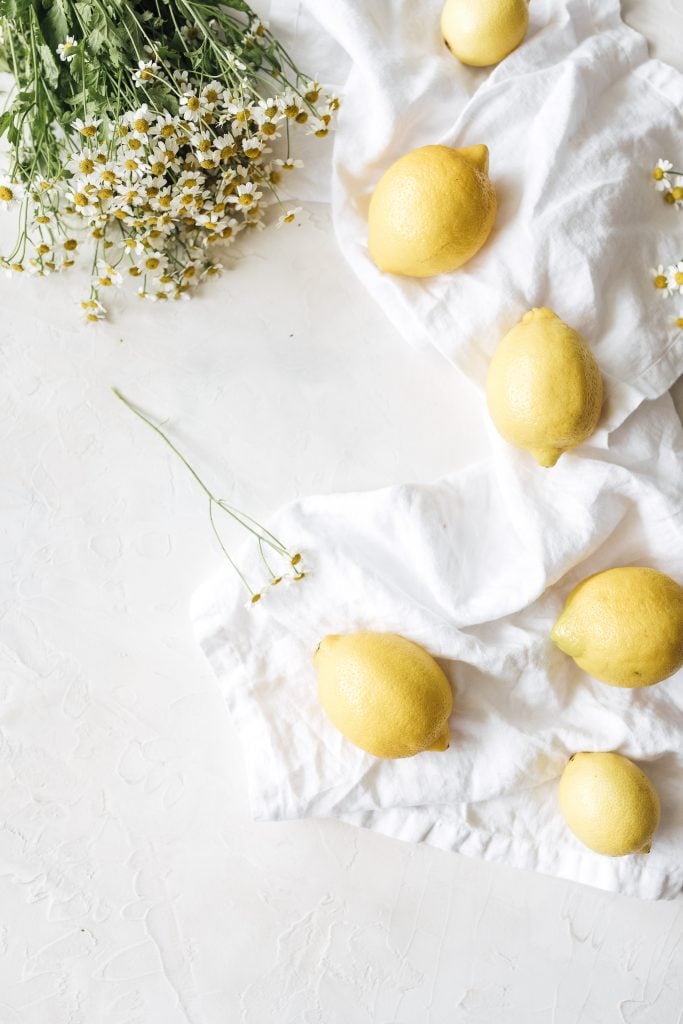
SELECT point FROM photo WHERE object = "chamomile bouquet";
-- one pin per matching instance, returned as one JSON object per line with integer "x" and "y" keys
{"x": 144, "y": 136}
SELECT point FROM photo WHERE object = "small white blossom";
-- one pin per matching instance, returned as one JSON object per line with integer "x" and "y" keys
{"x": 66, "y": 51}
{"x": 11, "y": 192}
{"x": 674, "y": 276}
{"x": 87, "y": 127}
{"x": 146, "y": 72}
{"x": 289, "y": 217}
{"x": 107, "y": 275}
{"x": 248, "y": 194}
{"x": 92, "y": 310}
{"x": 660, "y": 280}
{"x": 660, "y": 175}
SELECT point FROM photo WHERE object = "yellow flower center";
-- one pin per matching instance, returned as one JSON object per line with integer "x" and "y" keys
{"x": 71, "y": 244}
{"x": 164, "y": 202}
{"x": 660, "y": 281}
{"x": 168, "y": 131}
{"x": 80, "y": 199}
{"x": 42, "y": 219}
{"x": 88, "y": 130}
{"x": 86, "y": 166}
{"x": 275, "y": 177}
{"x": 678, "y": 193}
{"x": 289, "y": 218}
{"x": 141, "y": 125}
{"x": 193, "y": 103}
{"x": 105, "y": 281}
{"x": 105, "y": 193}
{"x": 321, "y": 133}
{"x": 226, "y": 233}
{"x": 658, "y": 174}
{"x": 18, "y": 268}
{"x": 42, "y": 249}
{"x": 313, "y": 95}
{"x": 152, "y": 263}
{"x": 98, "y": 233}
{"x": 679, "y": 322}
{"x": 130, "y": 165}
{"x": 158, "y": 168}
{"x": 204, "y": 146}
{"x": 134, "y": 144}
{"x": 134, "y": 271}
{"x": 268, "y": 128}
{"x": 678, "y": 277}
{"x": 301, "y": 117}
{"x": 669, "y": 198}
{"x": 291, "y": 110}
{"x": 6, "y": 194}
{"x": 109, "y": 176}
{"x": 211, "y": 95}
{"x": 189, "y": 271}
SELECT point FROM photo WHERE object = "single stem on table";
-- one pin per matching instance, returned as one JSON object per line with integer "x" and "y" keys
{"x": 262, "y": 535}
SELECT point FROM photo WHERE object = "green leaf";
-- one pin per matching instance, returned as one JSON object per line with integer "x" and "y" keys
{"x": 5, "y": 121}
{"x": 54, "y": 23}
{"x": 49, "y": 65}
{"x": 15, "y": 8}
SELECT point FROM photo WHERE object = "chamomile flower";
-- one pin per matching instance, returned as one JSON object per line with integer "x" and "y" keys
{"x": 254, "y": 148}
{"x": 145, "y": 73}
{"x": 288, "y": 217}
{"x": 11, "y": 192}
{"x": 679, "y": 320}
{"x": 318, "y": 127}
{"x": 660, "y": 175}
{"x": 152, "y": 262}
{"x": 290, "y": 164}
{"x": 92, "y": 310}
{"x": 191, "y": 106}
{"x": 674, "y": 277}
{"x": 87, "y": 127}
{"x": 191, "y": 34}
{"x": 248, "y": 194}
{"x": 660, "y": 280}
{"x": 312, "y": 91}
{"x": 66, "y": 51}
{"x": 140, "y": 121}
{"x": 107, "y": 275}
{"x": 212, "y": 94}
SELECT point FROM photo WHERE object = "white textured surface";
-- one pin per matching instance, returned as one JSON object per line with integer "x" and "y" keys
{"x": 134, "y": 888}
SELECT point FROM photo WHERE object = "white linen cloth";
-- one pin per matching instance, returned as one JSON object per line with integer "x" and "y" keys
{"x": 476, "y": 566}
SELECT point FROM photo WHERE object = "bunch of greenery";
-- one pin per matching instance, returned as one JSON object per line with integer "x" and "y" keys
{"x": 157, "y": 129}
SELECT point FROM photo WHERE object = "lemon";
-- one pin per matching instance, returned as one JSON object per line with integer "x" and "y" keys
{"x": 431, "y": 211}
{"x": 384, "y": 693}
{"x": 609, "y": 803}
{"x": 483, "y": 32}
{"x": 544, "y": 389}
{"x": 624, "y": 626}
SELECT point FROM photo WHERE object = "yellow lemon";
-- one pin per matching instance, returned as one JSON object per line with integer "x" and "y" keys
{"x": 384, "y": 693}
{"x": 431, "y": 211}
{"x": 544, "y": 389}
{"x": 609, "y": 803}
{"x": 483, "y": 32}
{"x": 624, "y": 626}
